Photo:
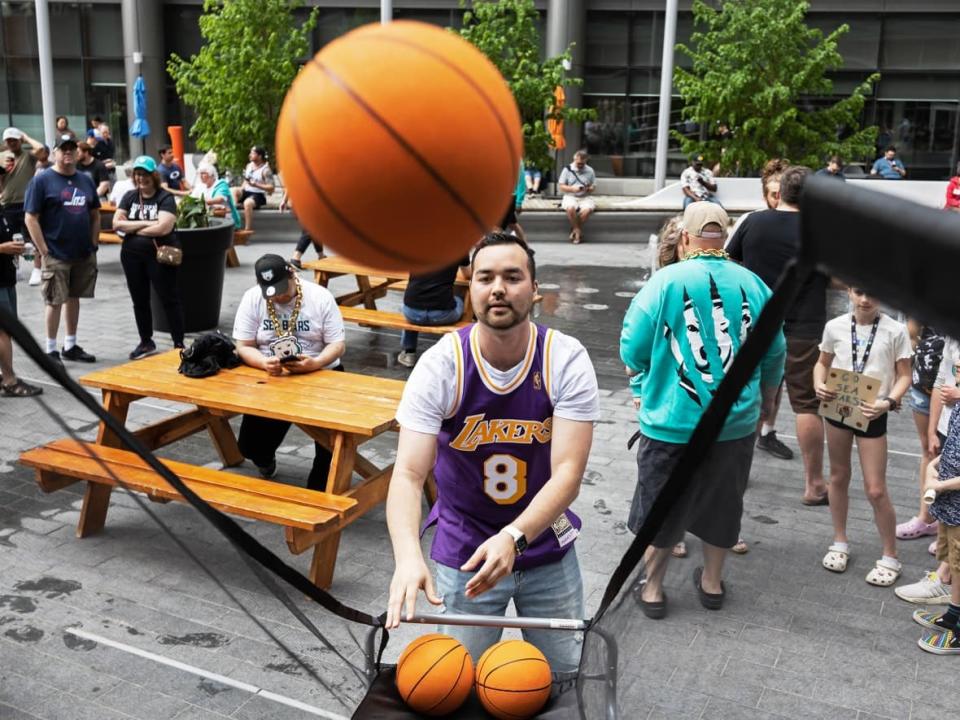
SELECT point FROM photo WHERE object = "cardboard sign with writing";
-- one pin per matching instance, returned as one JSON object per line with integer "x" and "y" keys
{"x": 852, "y": 389}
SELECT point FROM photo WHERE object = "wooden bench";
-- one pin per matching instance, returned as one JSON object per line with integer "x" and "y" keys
{"x": 108, "y": 237}
{"x": 307, "y": 516}
{"x": 240, "y": 237}
{"x": 396, "y": 321}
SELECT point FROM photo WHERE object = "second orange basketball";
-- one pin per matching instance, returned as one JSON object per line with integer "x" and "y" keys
{"x": 399, "y": 145}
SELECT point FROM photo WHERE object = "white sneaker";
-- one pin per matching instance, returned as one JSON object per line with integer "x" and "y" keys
{"x": 34, "y": 276}
{"x": 926, "y": 591}
{"x": 407, "y": 359}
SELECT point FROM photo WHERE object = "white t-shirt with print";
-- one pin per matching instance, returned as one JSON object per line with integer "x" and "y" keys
{"x": 319, "y": 322}
{"x": 688, "y": 179}
{"x": 430, "y": 392}
{"x": 947, "y": 377}
{"x": 892, "y": 343}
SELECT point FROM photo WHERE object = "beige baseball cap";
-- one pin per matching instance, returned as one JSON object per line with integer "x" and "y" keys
{"x": 700, "y": 214}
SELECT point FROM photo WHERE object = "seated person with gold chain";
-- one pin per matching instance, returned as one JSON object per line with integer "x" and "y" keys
{"x": 285, "y": 325}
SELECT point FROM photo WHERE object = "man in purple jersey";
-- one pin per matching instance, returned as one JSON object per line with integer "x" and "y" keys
{"x": 502, "y": 412}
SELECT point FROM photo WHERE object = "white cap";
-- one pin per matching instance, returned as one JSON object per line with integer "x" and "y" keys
{"x": 11, "y": 133}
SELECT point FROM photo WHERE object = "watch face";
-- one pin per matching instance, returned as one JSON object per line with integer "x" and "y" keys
{"x": 521, "y": 544}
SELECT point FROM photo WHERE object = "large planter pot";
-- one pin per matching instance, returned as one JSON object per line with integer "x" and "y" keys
{"x": 200, "y": 277}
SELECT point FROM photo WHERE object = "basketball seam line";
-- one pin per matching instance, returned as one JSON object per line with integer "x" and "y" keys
{"x": 466, "y": 78}
{"x": 435, "y": 663}
{"x": 509, "y": 662}
{"x": 463, "y": 664}
{"x": 402, "y": 142}
{"x": 484, "y": 700}
{"x": 319, "y": 191}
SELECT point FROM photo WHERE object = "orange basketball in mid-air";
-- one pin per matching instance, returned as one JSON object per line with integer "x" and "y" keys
{"x": 400, "y": 146}
{"x": 434, "y": 674}
{"x": 513, "y": 680}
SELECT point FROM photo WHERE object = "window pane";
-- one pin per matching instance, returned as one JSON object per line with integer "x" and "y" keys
{"x": 916, "y": 43}
{"x": 182, "y": 30}
{"x": 922, "y": 132}
{"x": 20, "y": 29}
{"x": 104, "y": 31}
{"x": 107, "y": 72}
{"x": 64, "y": 29}
{"x": 333, "y": 23}
{"x": 646, "y": 39}
{"x": 605, "y": 81}
{"x": 607, "y": 38}
{"x": 860, "y": 46}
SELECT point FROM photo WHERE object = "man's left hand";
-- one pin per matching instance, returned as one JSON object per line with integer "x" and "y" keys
{"x": 302, "y": 365}
{"x": 497, "y": 555}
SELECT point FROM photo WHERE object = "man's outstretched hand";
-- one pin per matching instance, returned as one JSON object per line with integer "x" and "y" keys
{"x": 497, "y": 555}
{"x": 408, "y": 579}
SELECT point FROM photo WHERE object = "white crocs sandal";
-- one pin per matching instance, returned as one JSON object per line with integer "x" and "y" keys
{"x": 884, "y": 573}
{"x": 836, "y": 559}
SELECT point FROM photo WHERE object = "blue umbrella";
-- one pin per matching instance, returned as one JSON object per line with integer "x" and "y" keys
{"x": 140, "y": 127}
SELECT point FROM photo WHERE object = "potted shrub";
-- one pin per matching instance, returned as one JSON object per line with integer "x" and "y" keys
{"x": 205, "y": 241}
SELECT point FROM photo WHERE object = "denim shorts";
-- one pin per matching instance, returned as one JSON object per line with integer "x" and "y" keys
{"x": 549, "y": 591}
{"x": 918, "y": 401}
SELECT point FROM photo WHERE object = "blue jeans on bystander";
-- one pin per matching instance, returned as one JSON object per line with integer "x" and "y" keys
{"x": 408, "y": 338}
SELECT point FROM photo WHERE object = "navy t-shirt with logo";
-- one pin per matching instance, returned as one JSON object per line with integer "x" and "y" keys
{"x": 63, "y": 204}
{"x": 171, "y": 175}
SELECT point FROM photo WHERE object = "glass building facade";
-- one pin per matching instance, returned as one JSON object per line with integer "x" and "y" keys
{"x": 915, "y": 46}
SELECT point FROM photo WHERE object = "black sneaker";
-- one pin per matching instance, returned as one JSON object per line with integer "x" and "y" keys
{"x": 268, "y": 471}
{"x": 78, "y": 354}
{"x": 769, "y": 443}
{"x": 55, "y": 356}
{"x": 143, "y": 350}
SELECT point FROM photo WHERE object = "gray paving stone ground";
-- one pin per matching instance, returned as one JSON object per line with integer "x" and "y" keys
{"x": 792, "y": 642}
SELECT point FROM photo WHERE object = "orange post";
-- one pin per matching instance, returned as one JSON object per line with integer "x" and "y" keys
{"x": 176, "y": 141}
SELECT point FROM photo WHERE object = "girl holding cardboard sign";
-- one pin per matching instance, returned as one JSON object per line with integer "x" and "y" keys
{"x": 864, "y": 358}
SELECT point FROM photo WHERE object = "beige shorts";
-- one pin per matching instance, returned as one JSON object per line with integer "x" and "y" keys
{"x": 948, "y": 546}
{"x": 578, "y": 203}
{"x": 65, "y": 279}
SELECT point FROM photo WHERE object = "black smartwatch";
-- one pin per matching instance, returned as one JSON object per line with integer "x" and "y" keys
{"x": 894, "y": 405}
{"x": 519, "y": 539}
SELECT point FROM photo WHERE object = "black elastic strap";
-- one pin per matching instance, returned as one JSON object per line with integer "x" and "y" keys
{"x": 710, "y": 425}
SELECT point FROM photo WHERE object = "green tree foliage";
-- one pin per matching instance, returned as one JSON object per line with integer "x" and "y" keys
{"x": 506, "y": 32}
{"x": 756, "y": 67}
{"x": 236, "y": 83}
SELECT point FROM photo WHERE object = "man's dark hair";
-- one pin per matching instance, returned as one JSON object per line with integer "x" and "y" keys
{"x": 261, "y": 151}
{"x": 97, "y": 119}
{"x": 62, "y": 117}
{"x": 501, "y": 238}
{"x": 836, "y": 160}
{"x": 85, "y": 146}
{"x": 791, "y": 184}
{"x": 162, "y": 149}
{"x": 891, "y": 147}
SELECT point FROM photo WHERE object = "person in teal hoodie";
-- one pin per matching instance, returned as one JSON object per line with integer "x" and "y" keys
{"x": 680, "y": 336}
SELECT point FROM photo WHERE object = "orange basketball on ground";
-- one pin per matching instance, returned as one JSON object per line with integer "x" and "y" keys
{"x": 434, "y": 674}
{"x": 399, "y": 146}
{"x": 513, "y": 680}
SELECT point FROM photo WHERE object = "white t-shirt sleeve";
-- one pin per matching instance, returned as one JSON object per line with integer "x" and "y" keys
{"x": 333, "y": 330}
{"x": 902, "y": 348}
{"x": 247, "y": 321}
{"x": 573, "y": 381}
{"x": 430, "y": 391}
{"x": 830, "y": 335}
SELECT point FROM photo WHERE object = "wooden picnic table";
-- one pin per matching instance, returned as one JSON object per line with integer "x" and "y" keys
{"x": 372, "y": 283}
{"x": 337, "y": 409}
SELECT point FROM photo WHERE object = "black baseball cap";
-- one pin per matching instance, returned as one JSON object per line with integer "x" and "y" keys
{"x": 65, "y": 139}
{"x": 273, "y": 275}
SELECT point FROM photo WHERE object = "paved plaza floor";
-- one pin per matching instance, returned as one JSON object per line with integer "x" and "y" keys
{"x": 95, "y": 628}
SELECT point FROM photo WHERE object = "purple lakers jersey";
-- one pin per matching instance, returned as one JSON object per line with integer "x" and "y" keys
{"x": 493, "y": 456}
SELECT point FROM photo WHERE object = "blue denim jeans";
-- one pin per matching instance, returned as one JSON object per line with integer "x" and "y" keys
{"x": 709, "y": 198}
{"x": 408, "y": 338}
{"x": 548, "y": 591}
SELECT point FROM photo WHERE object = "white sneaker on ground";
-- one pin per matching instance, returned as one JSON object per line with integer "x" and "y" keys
{"x": 407, "y": 359}
{"x": 35, "y": 276}
{"x": 929, "y": 590}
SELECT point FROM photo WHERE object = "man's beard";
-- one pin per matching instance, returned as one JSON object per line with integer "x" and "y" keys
{"x": 502, "y": 322}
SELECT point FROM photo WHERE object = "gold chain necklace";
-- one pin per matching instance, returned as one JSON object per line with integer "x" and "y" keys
{"x": 291, "y": 326}
{"x": 709, "y": 252}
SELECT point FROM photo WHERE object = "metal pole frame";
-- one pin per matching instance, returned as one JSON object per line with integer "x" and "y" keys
{"x": 45, "y": 56}
{"x": 386, "y": 11}
{"x": 666, "y": 92}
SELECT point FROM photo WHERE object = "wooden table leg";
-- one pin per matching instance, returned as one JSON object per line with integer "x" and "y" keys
{"x": 467, "y": 308}
{"x": 369, "y": 301}
{"x": 338, "y": 482}
{"x": 232, "y": 259}
{"x": 96, "y": 499}
{"x": 224, "y": 440}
